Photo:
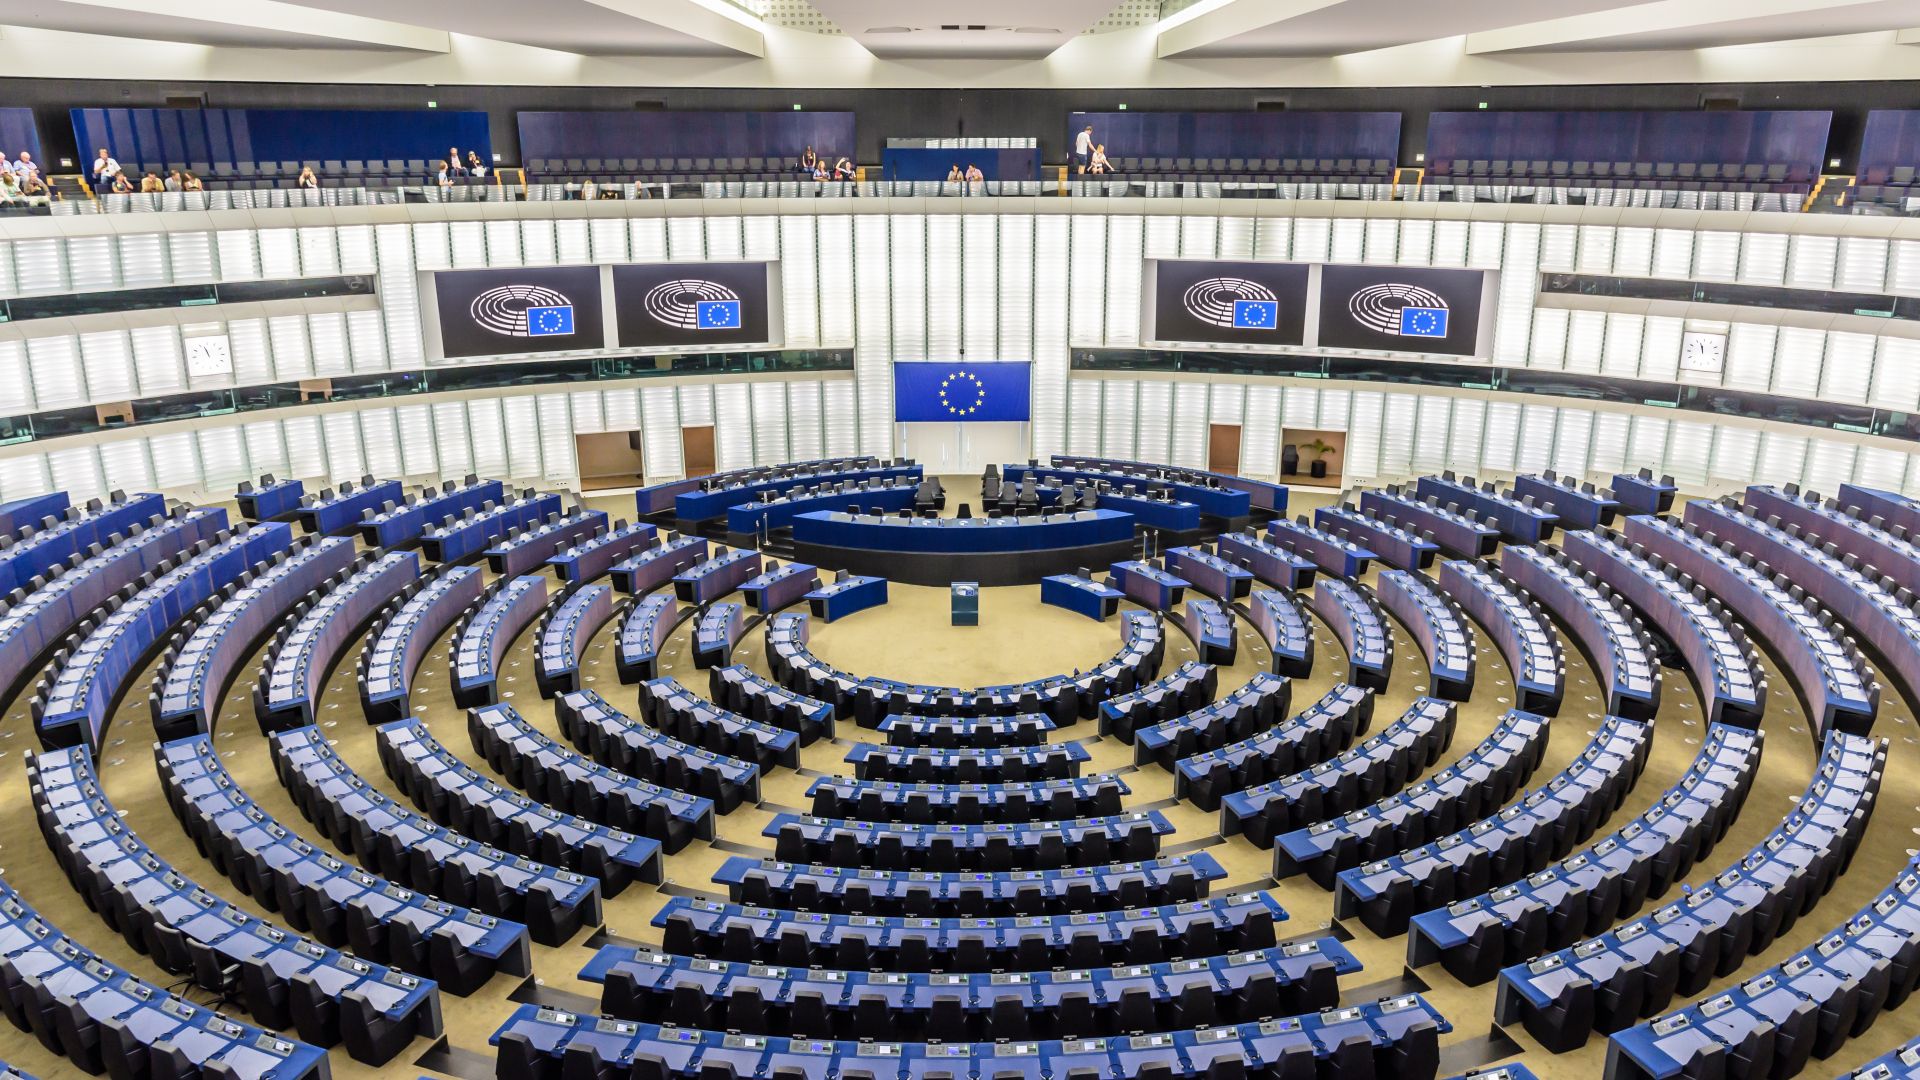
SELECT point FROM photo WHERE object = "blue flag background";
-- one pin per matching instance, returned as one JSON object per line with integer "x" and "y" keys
{"x": 962, "y": 392}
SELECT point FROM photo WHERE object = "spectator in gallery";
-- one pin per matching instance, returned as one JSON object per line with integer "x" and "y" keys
{"x": 104, "y": 168}
{"x": 9, "y": 188}
{"x": 190, "y": 182}
{"x": 174, "y": 183}
{"x": 474, "y": 165}
{"x": 307, "y": 179}
{"x": 1083, "y": 147}
{"x": 122, "y": 185}
{"x": 954, "y": 174}
{"x": 454, "y": 167}
{"x": 820, "y": 172}
{"x": 1100, "y": 166}
{"x": 974, "y": 175}
{"x": 25, "y": 167}
{"x": 843, "y": 169}
{"x": 446, "y": 174}
{"x": 151, "y": 184}
{"x": 809, "y": 161}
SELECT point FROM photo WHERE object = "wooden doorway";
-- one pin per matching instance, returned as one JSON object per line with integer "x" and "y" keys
{"x": 696, "y": 450}
{"x": 1223, "y": 448}
{"x": 609, "y": 459}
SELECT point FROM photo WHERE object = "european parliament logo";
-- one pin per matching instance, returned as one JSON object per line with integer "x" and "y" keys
{"x": 717, "y": 314}
{"x": 552, "y": 321}
{"x": 693, "y": 304}
{"x": 523, "y": 311}
{"x": 1255, "y": 314}
{"x": 1232, "y": 304}
{"x": 962, "y": 393}
{"x": 1423, "y": 322}
{"x": 1400, "y": 310}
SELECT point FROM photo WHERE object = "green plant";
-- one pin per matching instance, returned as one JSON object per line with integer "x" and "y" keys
{"x": 1319, "y": 448}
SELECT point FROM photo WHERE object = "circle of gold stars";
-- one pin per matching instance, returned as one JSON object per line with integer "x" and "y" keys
{"x": 953, "y": 405}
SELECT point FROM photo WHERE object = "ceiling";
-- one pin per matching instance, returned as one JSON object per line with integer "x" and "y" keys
{"x": 976, "y": 29}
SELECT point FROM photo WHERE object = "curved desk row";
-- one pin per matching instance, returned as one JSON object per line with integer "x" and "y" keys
{"x": 1624, "y": 663}
{"x": 485, "y": 632}
{"x": 1332, "y": 554}
{"x": 1391, "y": 544}
{"x": 1351, "y": 612}
{"x": 339, "y": 513}
{"x": 1179, "y": 691}
{"x": 615, "y": 739}
{"x": 1282, "y": 624}
{"x": 916, "y": 764}
{"x": 1260, "y": 493}
{"x": 749, "y": 519}
{"x": 1324, "y": 729}
{"x": 530, "y": 548}
{"x": 1459, "y": 533}
{"x": 716, "y": 498}
{"x": 1577, "y": 507}
{"x": 671, "y": 707}
{"x": 1170, "y": 879}
{"x": 655, "y": 565}
{"x": 399, "y": 525}
{"x": 968, "y": 803}
{"x": 780, "y": 586}
{"x": 658, "y": 498}
{"x": 1206, "y": 491}
{"x": 399, "y": 643}
{"x": 716, "y": 628}
{"x": 478, "y": 528}
{"x": 991, "y": 551}
{"x": 644, "y": 629}
{"x": 1437, "y": 627}
{"x": 1254, "y": 707}
{"x": 1518, "y": 627}
{"x": 744, "y": 690}
{"x": 568, "y": 628}
{"x": 1519, "y": 521}
{"x": 47, "y": 543}
{"x": 588, "y": 559}
{"x": 305, "y": 651}
{"x": 1223, "y": 578}
{"x": 1888, "y": 549}
{"x": 957, "y": 731}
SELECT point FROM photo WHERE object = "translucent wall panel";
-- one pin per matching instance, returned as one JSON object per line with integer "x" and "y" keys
{"x": 946, "y": 265}
{"x": 1050, "y": 321}
{"x": 1118, "y": 435}
{"x": 842, "y": 423}
{"x": 1124, "y": 268}
{"x": 1084, "y": 421}
{"x": 980, "y": 287}
{"x": 800, "y": 282}
{"x": 834, "y": 282}
{"x": 873, "y": 331}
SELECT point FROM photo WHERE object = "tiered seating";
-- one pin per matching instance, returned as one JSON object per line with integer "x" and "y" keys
{"x": 476, "y": 528}
{"x": 1332, "y": 554}
{"x": 193, "y": 676}
{"x": 1438, "y": 627}
{"x": 710, "y": 579}
{"x": 916, "y": 764}
{"x": 447, "y": 788}
{"x": 1640, "y": 493}
{"x": 1148, "y": 584}
{"x": 967, "y": 803}
{"x": 1868, "y": 538}
{"x": 338, "y": 513}
{"x": 656, "y": 564}
{"x": 888, "y": 845}
{"x": 1724, "y": 667}
{"x": 641, "y": 984}
{"x": 68, "y": 592}
{"x": 1827, "y": 670}
{"x": 767, "y": 512}
{"x": 1261, "y": 494}
{"x": 483, "y": 635}
{"x": 1609, "y": 982}
{"x": 561, "y": 778}
{"x": 33, "y": 510}
{"x": 269, "y": 499}
{"x": 1902, "y": 1063}
{"x": 1210, "y": 493}
{"x": 305, "y": 649}
{"x": 1355, "y": 777}
{"x": 1214, "y": 926}
{"x": 1351, "y": 612}
{"x": 1326, "y": 728}
{"x": 845, "y": 595}
{"x": 1179, "y": 691}
{"x": 528, "y": 548}
{"x": 1082, "y": 593}
{"x": 1219, "y": 576}
{"x": 1476, "y": 785}
{"x": 391, "y": 525}
{"x": 1395, "y": 1037}
{"x": 744, "y": 690}
{"x": 1543, "y": 826}
{"x": 72, "y": 705}
{"x": 1252, "y": 708}
{"x": 588, "y": 559}
{"x": 39, "y": 548}
{"x": 564, "y": 634}
{"x": 1209, "y": 623}
{"x": 1586, "y": 892}
{"x": 1516, "y": 516}
{"x": 711, "y": 496}
{"x": 1518, "y": 627}
{"x": 954, "y": 732}
{"x": 400, "y": 639}
{"x": 1283, "y": 626}
{"x": 1624, "y": 661}
{"x": 1393, "y": 545}
{"x": 145, "y": 1024}
{"x": 615, "y": 739}
{"x": 1170, "y": 879}
{"x": 673, "y": 708}
{"x": 644, "y": 629}
{"x": 1460, "y": 533}
{"x": 716, "y": 628}
{"x": 780, "y": 586}
{"x": 186, "y": 930}
{"x": 1581, "y": 506}
{"x": 659, "y": 498}
{"x": 1891, "y": 507}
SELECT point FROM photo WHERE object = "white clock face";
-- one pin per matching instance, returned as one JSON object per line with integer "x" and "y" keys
{"x": 1705, "y": 353}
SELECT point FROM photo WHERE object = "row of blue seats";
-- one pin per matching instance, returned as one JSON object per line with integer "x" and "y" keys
{"x": 565, "y": 632}
{"x": 615, "y": 739}
{"x": 528, "y": 548}
{"x": 640, "y": 983}
{"x": 657, "y": 563}
{"x": 1209, "y": 623}
{"x": 992, "y": 847}
{"x": 1516, "y": 516}
{"x": 309, "y": 643}
{"x": 1198, "y": 928}
{"x": 84, "y": 1008}
{"x": 1180, "y": 691}
{"x": 1154, "y": 504}
{"x": 1827, "y": 671}
{"x": 1351, "y": 612}
{"x": 269, "y": 498}
{"x": 1221, "y": 577}
{"x": 967, "y": 803}
{"x": 1273, "y": 563}
{"x": 1215, "y": 494}
{"x": 776, "y": 509}
{"x": 560, "y": 777}
{"x": 657, "y": 498}
{"x": 1256, "y": 706}
{"x": 1323, "y": 729}
{"x": 1391, "y": 544}
{"x": 959, "y": 731}
{"x": 339, "y": 513}
{"x": 485, "y": 631}
{"x": 1641, "y": 493}
{"x": 1545, "y": 825}
{"x": 1169, "y": 879}
{"x": 1333, "y": 555}
{"x": 193, "y": 675}
{"x": 1261, "y": 494}
{"x": 1281, "y": 623}
{"x": 1355, "y": 777}
{"x": 400, "y": 638}
{"x": 395, "y": 842}
{"x": 1437, "y": 626}
{"x": 780, "y": 585}
{"x": 1625, "y": 664}
{"x": 1393, "y": 1037}
{"x": 1725, "y": 669}
{"x": 920, "y": 765}
{"x": 1148, "y": 583}
{"x": 1458, "y": 532}
{"x": 645, "y": 625}
{"x": 671, "y": 707}
{"x": 36, "y": 548}
{"x": 1901, "y": 1063}
{"x": 745, "y": 691}
{"x": 713, "y": 577}
{"x": 846, "y": 594}
{"x": 1518, "y": 628}
{"x": 391, "y": 525}
{"x": 1478, "y": 784}
{"x": 591, "y": 558}
{"x": 1608, "y": 982}
{"x": 287, "y": 980}
{"x": 74, "y": 702}
{"x": 1609, "y": 880}
{"x": 455, "y": 794}
{"x": 717, "y": 494}
{"x": 476, "y": 528}
{"x": 1577, "y": 505}
{"x": 1869, "y": 538}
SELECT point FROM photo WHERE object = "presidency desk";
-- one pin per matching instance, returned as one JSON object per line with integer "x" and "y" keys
{"x": 713, "y": 503}
{"x": 936, "y": 551}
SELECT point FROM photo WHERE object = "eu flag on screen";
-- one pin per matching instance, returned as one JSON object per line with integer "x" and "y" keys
{"x": 717, "y": 314}
{"x": 1255, "y": 314}
{"x": 550, "y": 321}
{"x": 1423, "y": 322}
{"x": 961, "y": 392}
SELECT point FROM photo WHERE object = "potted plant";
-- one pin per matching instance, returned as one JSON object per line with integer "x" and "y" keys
{"x": 1319, "y": 449}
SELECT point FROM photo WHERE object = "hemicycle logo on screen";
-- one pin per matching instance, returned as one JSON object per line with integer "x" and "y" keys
{"x": 1400, "y": 310}
{"x": 693, "y": 304}
{"x": 523, "y": 311}
{"x": 1232, "y": 303}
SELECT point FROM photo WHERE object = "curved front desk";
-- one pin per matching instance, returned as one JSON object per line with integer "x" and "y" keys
{"x": 935, "y": 551}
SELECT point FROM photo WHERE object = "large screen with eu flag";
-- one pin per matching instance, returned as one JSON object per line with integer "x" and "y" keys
{"x": 962, "y": 392}
{"x": 531, "y": 310}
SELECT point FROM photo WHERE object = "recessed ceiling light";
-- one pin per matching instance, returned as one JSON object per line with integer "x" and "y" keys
{"x": 890, "y": 30}
{"x": 1035, "y": 30}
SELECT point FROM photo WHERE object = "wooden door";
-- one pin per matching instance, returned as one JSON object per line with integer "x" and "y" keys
{"x": 1223, "y": 448}
{"x": 609, "y": 459}
{"x": 696, "y": 450}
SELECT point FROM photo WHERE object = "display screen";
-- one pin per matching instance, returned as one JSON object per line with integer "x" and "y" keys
{"x": 1402, "y": 309}
{"x": 691, "y": 304}
{"x": 532, "y": 310}
{"x": 1242, "y": 303}
{"x": 962, "y": 392}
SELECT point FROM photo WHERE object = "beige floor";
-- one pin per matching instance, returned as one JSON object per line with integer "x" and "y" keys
{"x": 910, "y": 639}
